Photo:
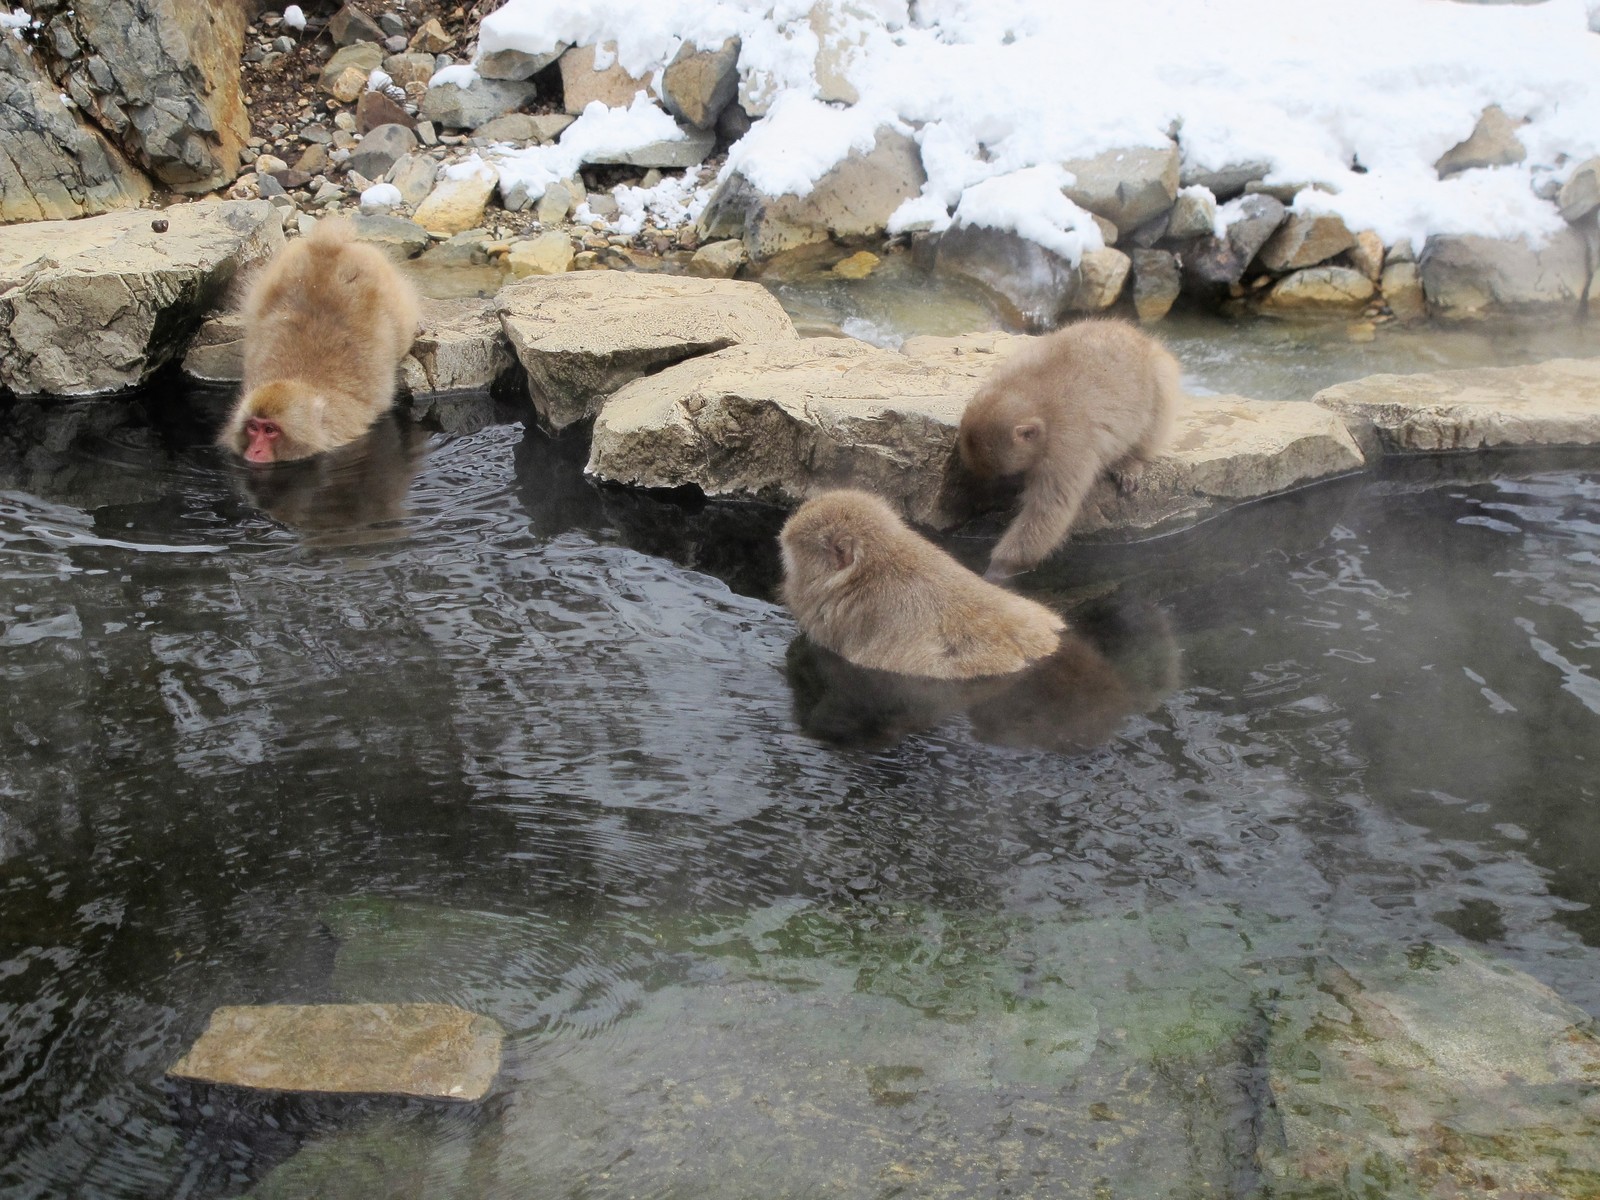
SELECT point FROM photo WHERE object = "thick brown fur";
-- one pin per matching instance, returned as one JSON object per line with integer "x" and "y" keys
{"x": 326, "y": 325}
{"x": 863, "y": 585}
{"x": 1091, "y": 398}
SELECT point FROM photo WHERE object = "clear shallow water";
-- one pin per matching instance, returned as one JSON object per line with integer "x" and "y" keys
{"x": 536, "y": 748}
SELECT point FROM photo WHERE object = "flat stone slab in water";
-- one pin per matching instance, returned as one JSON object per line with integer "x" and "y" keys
{"x": 1555, "y": 403}
{"x": 434, "y": 1051}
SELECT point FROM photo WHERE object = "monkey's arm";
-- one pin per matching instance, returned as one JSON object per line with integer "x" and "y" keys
{"x": 1050, "y": 504}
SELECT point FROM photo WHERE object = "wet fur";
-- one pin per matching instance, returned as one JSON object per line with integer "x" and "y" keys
{"x": 1098, "y": 397}
{"x": 326, "y": 325}
{"x": 863, "y": 585}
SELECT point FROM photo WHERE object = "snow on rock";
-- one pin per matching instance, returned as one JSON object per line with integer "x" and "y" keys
{"x": 1254, "y": 92}
{"x": 380, "y": 197}
{"x": 293, "y": 18}
{"x": 600, "y": 134}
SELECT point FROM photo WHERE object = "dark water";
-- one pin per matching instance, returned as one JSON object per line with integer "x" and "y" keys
{"x": 535, "y": 747}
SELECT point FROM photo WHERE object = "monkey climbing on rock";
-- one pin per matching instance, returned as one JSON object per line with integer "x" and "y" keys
{"x": 1092, "y": 398}
{"x": 325, "y": 327}
{"x": 862, "y": 584}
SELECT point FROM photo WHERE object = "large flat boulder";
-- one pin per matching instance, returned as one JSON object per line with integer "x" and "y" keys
{"x": 434, "y": 1051}
{"x": 782, "y": 422}
{"x": 1554, "y": 403}
{"x": 582, "y": 336}
{"x": 140, "y": 292}
{"x": 1464, "y": 276}
{"x": 1127, "y": 186}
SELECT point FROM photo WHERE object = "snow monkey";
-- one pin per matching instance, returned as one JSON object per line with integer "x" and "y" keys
{"x": 325, "y": 326}
{"x": 1094, "y": 397}
{"x": 863, "y": 585}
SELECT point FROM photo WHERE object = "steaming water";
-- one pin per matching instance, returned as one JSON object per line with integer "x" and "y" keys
{"x": 507, "y": 740}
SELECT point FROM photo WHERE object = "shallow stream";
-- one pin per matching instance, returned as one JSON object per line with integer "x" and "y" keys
{"x": 447, "y": 722}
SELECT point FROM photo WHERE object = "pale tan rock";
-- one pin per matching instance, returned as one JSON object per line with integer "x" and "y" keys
{"x": 1366, "y": 255}
{"x": 216, "y": 352}
{"x": 361, "y": 59}
{"x": 1157, "y": 281}
{"x": 838, "y": 50}
{"x": 431, "y": 38}
{"x": 783, "y": 422}
{"x": 1555, "y": 403}
{"x": 1101, "y": 276}
{"x": 698, "y": 84}
{"x": 1194, "y": 215}
{"x": 548, "y": 254}
{"x": 409, "y": 68}
{"x": 1465, "y": 276}
{"x": 1401, "y": 284}
{"x": 140, "y": 292}
{"x": 857, "y": 266}
{"x": 582, "y": 335}
{"x": 581, "y": 83}
{"x": 434, "y": 1051}
{"x": 456, "y": 205}
{"x": 1580, "y": 194}
{"x": 346, "y": 85}
{"x": 460, "y": 347}
{"x": 1492, "y": 143}
{"x": 1128, "y": 186}
{"x": 1304, "y": 240}
{"x": 718, "y": 260}
{"x": 1334, "y": 290}
{"x": 558, "y": 202}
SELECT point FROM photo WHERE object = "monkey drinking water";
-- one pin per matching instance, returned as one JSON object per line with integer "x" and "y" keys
{"x": 326, "y": 325}
{"x": 1092, "y": 398}
{"x": 863, "y": 585}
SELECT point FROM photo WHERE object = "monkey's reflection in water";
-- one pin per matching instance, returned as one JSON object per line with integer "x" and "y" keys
{"x": 1116, "y": 661}
{"x": 345, "y": 494}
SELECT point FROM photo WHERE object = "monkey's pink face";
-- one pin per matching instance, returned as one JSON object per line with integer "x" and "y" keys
{"x": 262, "y": 437}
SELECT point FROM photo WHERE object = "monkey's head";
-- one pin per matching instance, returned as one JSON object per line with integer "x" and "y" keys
{"x": 996, "y": 440}
{"x": 834, "y": 533}
{"x": 277, "y": 422}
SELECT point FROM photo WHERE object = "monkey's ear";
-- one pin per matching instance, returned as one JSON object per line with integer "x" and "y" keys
{"x": 844, "y": 549}
{"x": 1027, "y": 431}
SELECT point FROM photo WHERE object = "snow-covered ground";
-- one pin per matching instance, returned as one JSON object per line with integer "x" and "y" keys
{"x": 1358, "y": 97}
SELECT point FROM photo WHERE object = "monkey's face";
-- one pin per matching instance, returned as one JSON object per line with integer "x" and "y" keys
{"x": 998, "y": 449}
{"x": 276, "y": 423}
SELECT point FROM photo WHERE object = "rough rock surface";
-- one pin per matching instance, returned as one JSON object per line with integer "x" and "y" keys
{"x": 436, "y": 1051}
{"x": 688, "y": 151}
{"x": 1226, "y": 181}
{"x": 1401, "y": 284}
{"x": 581, "y": 336}
{"x": 550, "y": 253}
{"x": 698, "y": 84}
{"x": 1216, "y": 262}
{"x": 517, "y": 64}
{"x": 782, "y": 422}
{"x": 456, "y": 205}
{"x": 1101, "y": 276}
{"x": 1127, "y": 187}
{"x": 460, "y": 347}
{"x": 141, "y": 292}
{"x": 718, "y": 260}
{"x": 1033, "y": 285}
{"x": 1440, "y": 1074}
{"x": 162, "y": 80}
{"x": 216, "y": 352}
{"x": 1580, "y": 194}
{"x": 397, "y": 237}
{"x": 355, "y": 61}
{"x": 455, "y": 107}
{"x": 1331, "y": 290}
{"x": 1465, "y": 275}
{"x": 581, "y": 84}
{"x": 1492, "y": 143}
{"x": 1156, "y": 283}
{"x": 1304, "y": 240}
{"x": 853, "y": 200}
{"x": 1194, "y": 215}
{"x": 1555, "y": 403}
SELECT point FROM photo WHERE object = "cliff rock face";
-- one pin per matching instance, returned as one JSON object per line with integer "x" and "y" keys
{"x": 98, "y": 91}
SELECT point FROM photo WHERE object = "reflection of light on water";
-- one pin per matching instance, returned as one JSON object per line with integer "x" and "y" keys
{"x": 73, "y": 537}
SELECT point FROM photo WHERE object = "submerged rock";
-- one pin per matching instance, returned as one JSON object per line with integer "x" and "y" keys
{"x": 140, "y": 291}
{"x": 583, "y": 335}
{"x": 433, "y": 1051}
{"x": 1554, "y": 403}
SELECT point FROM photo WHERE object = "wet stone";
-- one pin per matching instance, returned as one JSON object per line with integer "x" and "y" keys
{"x": 434, "y": 1051}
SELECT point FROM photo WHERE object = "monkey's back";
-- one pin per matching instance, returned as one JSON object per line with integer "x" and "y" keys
{"x": 334, "y": 314}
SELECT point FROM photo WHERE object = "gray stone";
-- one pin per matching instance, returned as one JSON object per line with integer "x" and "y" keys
{"x": 513, "y": 127}
{"x": 547, "y": 127}
{"x": 414, "y": 175}
{"x": 515, "y": 64}
{"x": 1492, "y": 143}
{"x": 582, "y": 336}
{"x": 558, "y": 202}
{"x": 1128, "y": 186}
{"x": 1304, "y": 240}
{"x": 434, "y": 1051}
{"x": 409, "y": 68}
{"x": 54, "y": 166}
{"x": 459, "y": 347}
{"x": 362, "y": 57}
{"x": 350, "y": 25}
{"x": 392, "y": 24}
{"x": 1401, "y": 285}
{"x": 397, "y": 237}
{"x": 581, "y": 84}
{"x": 689, "y": 151}
{"x": 1580, "y": 194}
{"x": 1318, "y": 290}
{"x": 166, "y": 84}
{"x": 1226, "y": 182}
{"x": 1156, "y": 283}
{"x": 1216, "y": 262}
{"x": 853, "y": 200}
{"x": 469, "y": 107}
{"x": 698, "y": 84}
{"x": 1465, "y": 275}
{"x": 141, "y": 292}
{"x": 1194, "y": 215}
{"x": 381, "y": 149}
{"x": 216, "y": 352}
{"x": 1101, "y": 277}
{"x": 1555, "y": 403}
